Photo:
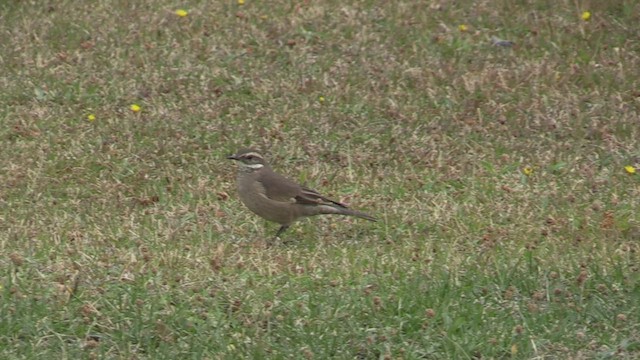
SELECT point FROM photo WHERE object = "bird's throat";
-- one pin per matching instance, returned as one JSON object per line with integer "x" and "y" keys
{"x": 251, "y": 167}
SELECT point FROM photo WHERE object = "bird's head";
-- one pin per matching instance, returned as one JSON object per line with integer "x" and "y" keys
{"x": 249, "y": 159}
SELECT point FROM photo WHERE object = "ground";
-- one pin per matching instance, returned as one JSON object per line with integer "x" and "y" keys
{"x": 503, "y": 176}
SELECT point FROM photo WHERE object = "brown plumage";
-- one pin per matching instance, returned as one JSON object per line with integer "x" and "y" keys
{"x": 279, "y": 199}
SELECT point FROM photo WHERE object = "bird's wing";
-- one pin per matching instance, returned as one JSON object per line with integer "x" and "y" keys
{"x": 310, "y": 196}
{"x": 282, "y": 189}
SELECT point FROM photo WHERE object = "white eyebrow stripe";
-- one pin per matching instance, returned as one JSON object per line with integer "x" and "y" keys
{"x": 251, "y": 154}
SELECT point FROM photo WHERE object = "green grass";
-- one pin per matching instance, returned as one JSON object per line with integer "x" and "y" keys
{"x": 123, "y": 237}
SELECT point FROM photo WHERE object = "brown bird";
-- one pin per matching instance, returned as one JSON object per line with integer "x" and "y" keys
{"x": 278, "y": 199}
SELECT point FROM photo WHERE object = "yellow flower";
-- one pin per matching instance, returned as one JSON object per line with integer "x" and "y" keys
{"x": 586, "y": 16}
{"x": 527, "y": 170}
{"x": 91, "y": 117}
{"x": 463, "y": 27}
{"x": 240, "y": 2}
{"x": 321, "y": 99}
{"x": 135, "y": 107}
{"x": 182, "y": 12}
{"x": 630, "y": 169}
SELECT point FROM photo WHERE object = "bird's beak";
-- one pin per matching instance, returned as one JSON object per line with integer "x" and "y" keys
{"x": 232, "y": 157}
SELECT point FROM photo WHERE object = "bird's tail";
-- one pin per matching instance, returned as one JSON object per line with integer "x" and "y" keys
{"x": 359, "y": 214}
{"x": 340, "y": 209}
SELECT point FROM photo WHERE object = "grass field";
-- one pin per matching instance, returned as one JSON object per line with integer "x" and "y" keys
{"x": 503, "y": 177}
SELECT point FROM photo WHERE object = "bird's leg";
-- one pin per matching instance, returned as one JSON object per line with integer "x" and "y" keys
{"x": 273, "y": 240}
{"x": 282, "y": 229}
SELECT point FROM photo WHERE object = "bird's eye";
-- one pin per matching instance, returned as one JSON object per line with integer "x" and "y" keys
{"x": 250, "y": 157}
